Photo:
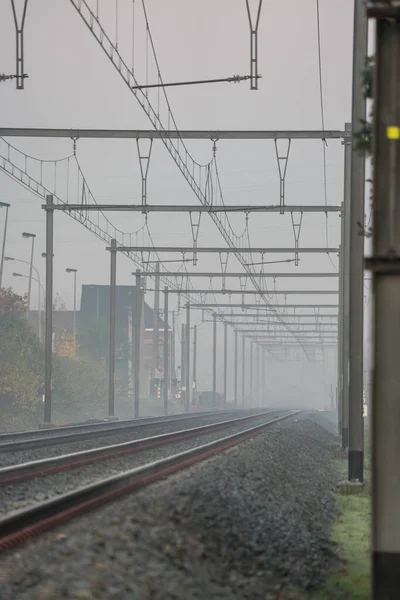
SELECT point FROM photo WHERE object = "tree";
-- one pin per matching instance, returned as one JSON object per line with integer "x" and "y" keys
{"x": 11, "y": 303}
{"x": 65, "y": 346}
{"x": 21, "y": 362}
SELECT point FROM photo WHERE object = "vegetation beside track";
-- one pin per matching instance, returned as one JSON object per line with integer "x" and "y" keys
{"x": 351, "y": 532}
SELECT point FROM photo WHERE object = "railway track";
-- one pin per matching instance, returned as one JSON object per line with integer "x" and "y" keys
{"x": 18, "y": 526}
{"x": 30, "y": 440}
{"x": 46, "y": 466}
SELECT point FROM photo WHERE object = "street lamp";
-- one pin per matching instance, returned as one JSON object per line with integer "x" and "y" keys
{"x": 74, "y": 271}
{"x": 38, "y": 280}
{"x": 6, "y": 206}
{"x": 40, "y": 289}
{"x": 32, "y": 236}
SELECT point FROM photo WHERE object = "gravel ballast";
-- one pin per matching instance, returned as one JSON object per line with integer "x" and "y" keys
{"x": 23, "y": 494}
{"x": 238, "y": 526}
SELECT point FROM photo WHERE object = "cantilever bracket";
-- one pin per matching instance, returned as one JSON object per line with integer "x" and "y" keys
{"x": 144, "y": 161}
{"x": 282, "y": 160}
{"x": 195, "y": 226}
{"x": 296, "y": 223}
{"x": 254, "y": 44}
{"x": 19, "y": 30}
{"x": 223, "y": 259}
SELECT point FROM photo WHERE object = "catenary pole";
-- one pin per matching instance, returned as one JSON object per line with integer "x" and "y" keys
{"x": 346, "y": 289}
{"x": 243, "y": 369}
{"x": 235, "y": 389}
{"x": 225, "y": 362}
{"x": 214, "y": 380}
{"x": 187, "y": 359}
{"x": 166, "y": 351}
{"x": 48, "y": 340}
{"x": 111, "y": 360}
{"x": 385, "y": 267}
{"x": 154, "y": 360}
{"x": 356, "y": 288}
{"x": 138, "y": 321}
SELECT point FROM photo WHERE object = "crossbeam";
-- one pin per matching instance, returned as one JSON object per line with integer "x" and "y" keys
{"x": 263, "y": 306}
{"x": 257, "y": 292}
{"x": 186, "y": 274}
{"x": 272, "y": 315}
{"x": 275, "y": 323}
{"x": 223, "y": 250}
{"x": 246, "y": 208}
{"x": 185, "y": 134}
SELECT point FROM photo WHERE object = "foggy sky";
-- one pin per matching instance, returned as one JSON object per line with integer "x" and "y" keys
{"x": 72, "y": 85}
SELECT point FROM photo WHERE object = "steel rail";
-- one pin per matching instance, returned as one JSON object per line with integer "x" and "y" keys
{"x": 47, "y": 466}
{"x": 104, "y": 424}
{"x": 81, "y": 436}
{"x": 21, "y": 525}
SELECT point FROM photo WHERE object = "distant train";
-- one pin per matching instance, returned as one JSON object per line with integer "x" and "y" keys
{"x": 207, "y": 400}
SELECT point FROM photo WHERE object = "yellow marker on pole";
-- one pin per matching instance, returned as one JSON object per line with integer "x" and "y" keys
{"x": 393, "y": 133}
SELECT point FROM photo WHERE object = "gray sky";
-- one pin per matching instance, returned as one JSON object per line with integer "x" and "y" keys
{"x": 72, "y": 85}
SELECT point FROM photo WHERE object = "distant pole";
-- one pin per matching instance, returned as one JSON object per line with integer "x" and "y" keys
{"x": 356, "y": 289}
{"x": 6, "y": 206}
{"x": 154, "y": 364}
{"x": 173, "y": 370}
{"x": 214, "y": 380}
{"x": 251, "y": 373}
{"x": 166, "y": 351}
{"x": 258, "y": 349}
{"x": 183, "y": 366}
{"x": 346, "y": 287}
{"x": 243, "y": 369}
{"x": 130, "y": 351}
{"x": 385, "y": 405}
{"x": 48, "y": 340}
{"x": 111, "y": 360}
{"x": 138, "y": 322}
{"x": 263, "y": 395}
{"x": 235, "y": 393}
{"x": 30, "y": 272}
{"x": 225, "y": 362}
{"x": 195, "y": 365}
{"x": 187, "y": 348}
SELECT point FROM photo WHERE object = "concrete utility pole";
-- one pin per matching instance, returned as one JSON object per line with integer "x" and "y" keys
{"x": 166, "y": 350}
{"x": 48, "y": 339}
{"x": 356, "y": 289}
{"x": 251, "y": 370}
{"x": 3, "y": 248}
{"x": 235, "y": 392}
{"x": 31, "y": 236}
{"x": 263, "y": 367}
{"x": 187, "y": 359}
{"x": 385, "y": 267}
{"x": 183, "y": 366}
{"x": 111, "y": 359}
{"x": 130, "y": 351}
{"x": 225, "y": 362}
{"x": 346, "y": 288}
{"x": 173, "y": 371}
{"x": 215, "y": 357}
{"x": 195, "y": 365}
{"x": 74, "y": 271}
{"x": 243, "y": 370}
{"x": 138, "y": 323}
{"x": 154, "y": 362}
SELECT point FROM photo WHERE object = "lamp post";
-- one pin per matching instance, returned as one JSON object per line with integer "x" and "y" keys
{"x": 32, "y": 237}
{"x": 40, "y": 289}
{"x": 38, "y": 281}
{"x": 6, "y": 206}
{"x": 74, "y": 271}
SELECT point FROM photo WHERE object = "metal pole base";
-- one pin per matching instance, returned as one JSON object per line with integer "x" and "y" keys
{"x": 345, "y": 438}
{"x": 386, "y": 575}
{"x": 356, "y": 465}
